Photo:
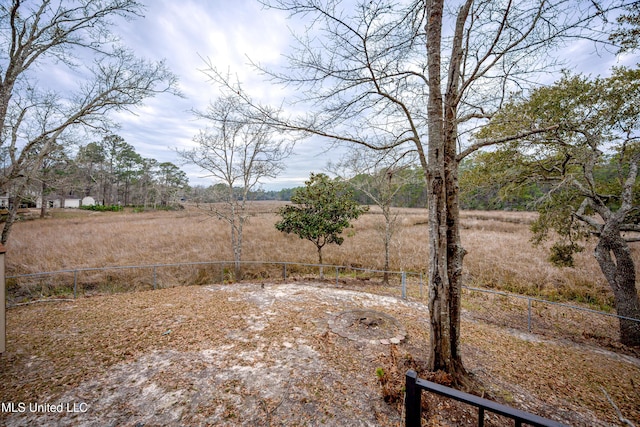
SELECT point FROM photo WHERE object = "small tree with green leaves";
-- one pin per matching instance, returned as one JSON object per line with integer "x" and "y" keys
{"x": 320, "y": 212}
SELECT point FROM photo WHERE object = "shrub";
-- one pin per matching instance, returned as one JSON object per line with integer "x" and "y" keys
{"x": 103, "y": 208}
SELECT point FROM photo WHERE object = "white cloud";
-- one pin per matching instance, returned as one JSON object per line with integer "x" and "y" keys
{"x": 228, "y": 33}
{"x": 183, "y": 33}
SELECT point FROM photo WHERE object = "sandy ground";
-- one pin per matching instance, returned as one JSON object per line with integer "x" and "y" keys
{"x": 294, "y": 354}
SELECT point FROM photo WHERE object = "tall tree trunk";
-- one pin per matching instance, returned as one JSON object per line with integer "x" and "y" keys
{"x": 445, "y": 249}
{"x": 439, "y": 344}
{"x": 234, "y": 245}
{"x": 620, "y": 273}
{"x": 455, "y": 251}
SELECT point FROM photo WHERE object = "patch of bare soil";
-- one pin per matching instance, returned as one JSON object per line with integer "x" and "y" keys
{"x": 290, "y": 354}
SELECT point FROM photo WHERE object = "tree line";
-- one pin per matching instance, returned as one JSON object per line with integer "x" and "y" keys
{"x": 38, "y": 116}
{"x": 112, "y": 172}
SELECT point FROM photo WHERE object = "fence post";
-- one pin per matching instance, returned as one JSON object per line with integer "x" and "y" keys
{"x": 155, "y": 279}
{"x": 75, "y": 284}
{"x": 421, "y": 285}
{"x": 412, "y": 402}
{"x": 529, "y": 315}
{"x": 3, "y": 303}
{"x": 337, "y": 275}
{"x": 284, "y": 271}
{"x": 404, "y": 285}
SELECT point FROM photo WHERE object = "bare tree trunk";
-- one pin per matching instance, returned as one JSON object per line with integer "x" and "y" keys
{"x": 620, "y": 273}
{"x": 234, "y": 236}
{"x": 386, "y": 212}
{"x": 439, "y": 343}
{"x": 237, "y": 248}
{"x": 11, "y": 218}
{"x": 455, "y": 251}
{"x": 43, "y": 207}
{"x": 445, "y": 249}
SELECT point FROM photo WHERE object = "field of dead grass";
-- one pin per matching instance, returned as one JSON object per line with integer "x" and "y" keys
{"x": 499, "y": 253}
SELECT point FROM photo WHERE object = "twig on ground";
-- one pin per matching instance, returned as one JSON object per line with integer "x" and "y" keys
{"x": 620, "y": 417}
{"x": 41, "y": 300}
{"x": 269, "y": 412}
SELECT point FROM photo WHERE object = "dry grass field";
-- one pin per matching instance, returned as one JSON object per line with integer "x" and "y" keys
{"x": 246, "y": 354}
{"x": 499, "y": 253}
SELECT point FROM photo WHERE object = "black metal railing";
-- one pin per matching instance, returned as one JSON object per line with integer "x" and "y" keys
{"x": 413, "y": 404}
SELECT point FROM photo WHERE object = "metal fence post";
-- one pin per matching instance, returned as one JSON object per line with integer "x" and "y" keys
{"x": 155, "y": 278}
{"x": 404, "y": 285}
{"x": 412, "y": 401}
{"x": 75, "y": 284}
{"x": 421, "y": 285}
{"x": 284, "y": 271}
{"x": 529, "y": 315}
{"x": 337, "y": 275}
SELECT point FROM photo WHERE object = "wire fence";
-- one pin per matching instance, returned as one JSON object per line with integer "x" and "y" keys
{"x": 519, "y": 312}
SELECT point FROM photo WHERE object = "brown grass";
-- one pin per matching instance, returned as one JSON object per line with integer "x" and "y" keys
{"x": 499, "y": 253}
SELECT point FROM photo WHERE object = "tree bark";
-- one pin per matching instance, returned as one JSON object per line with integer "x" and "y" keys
{"x": 11, "y": 218}
{"x": 620, "y": 273}
{"x": 43, "y": 206}
{"x": 439, "y": 344}
{"x": 386, "y": 211}
{"x": 445, "y": 249}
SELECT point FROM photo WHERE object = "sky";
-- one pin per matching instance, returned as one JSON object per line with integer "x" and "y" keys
{"x": 229, "y": 33}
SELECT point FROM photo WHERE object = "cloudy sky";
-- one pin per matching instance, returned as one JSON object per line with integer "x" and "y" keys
{"x": 229, "y": 32}
{"x": 184, "y": 33}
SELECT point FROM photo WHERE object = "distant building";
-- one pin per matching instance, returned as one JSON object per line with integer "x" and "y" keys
{"x": 72, "y": 203}
{"x": 88, "y": 201}
{"x": 56, "y": 201}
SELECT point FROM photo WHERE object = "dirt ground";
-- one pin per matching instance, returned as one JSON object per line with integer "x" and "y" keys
{"x": 280, "y": 354}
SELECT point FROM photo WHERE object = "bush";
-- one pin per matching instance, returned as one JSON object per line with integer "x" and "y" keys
{"x": 562, "y": 254}
{"x": 103, "y": 208}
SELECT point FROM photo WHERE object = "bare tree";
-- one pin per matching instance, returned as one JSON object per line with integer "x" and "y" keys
{"x": 237, "y": 154}
{"x": 380, "y": 178}
{"x": 74, "y": 36}
{"x": 418, "y": 78}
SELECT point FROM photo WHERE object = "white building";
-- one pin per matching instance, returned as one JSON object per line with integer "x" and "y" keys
{"x": 72, "y": 203}
{"x": 58, "y": 202}
{"x": 88, "y": 201}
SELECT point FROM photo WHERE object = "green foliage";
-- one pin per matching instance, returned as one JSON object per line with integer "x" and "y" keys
{"x": 103, "y": 208}
{"x": 411, "y": 193}
{"x": 579, "y": 159}
{"x": 627, "y": 36}
{"x": 320, "y": 211}
{"x": 562, "y": 254}
{"x": 497, "y": 181}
